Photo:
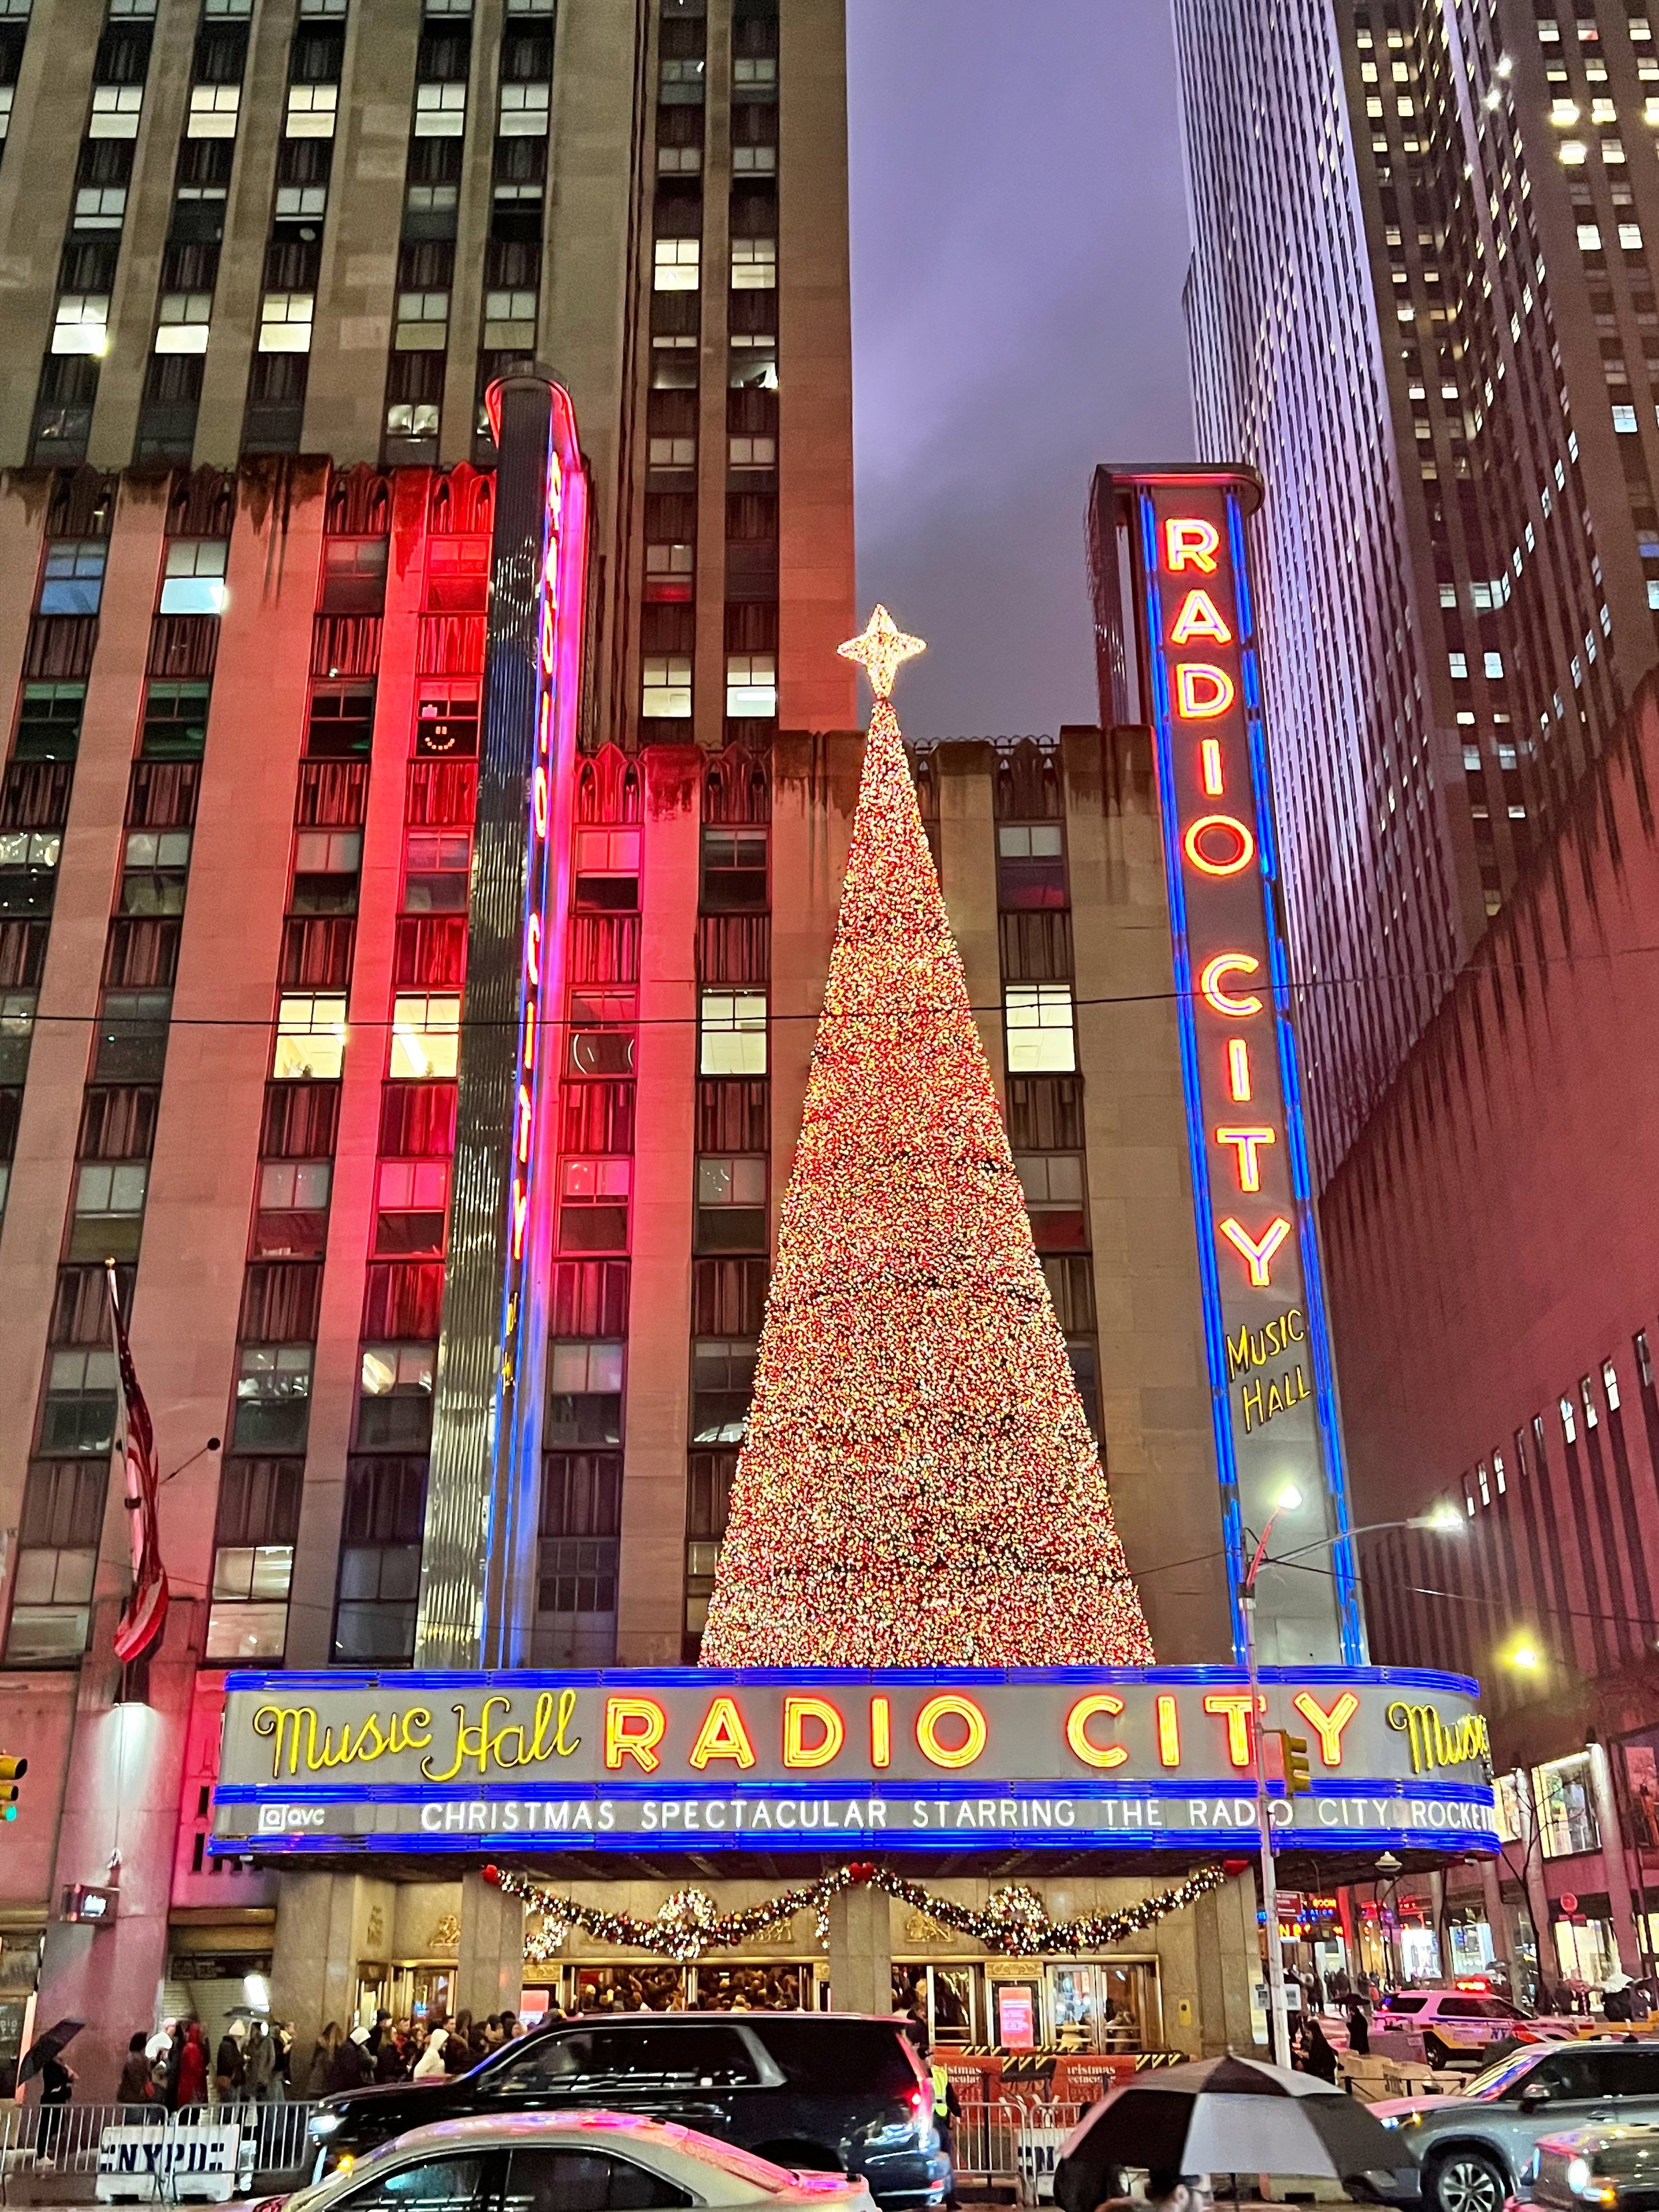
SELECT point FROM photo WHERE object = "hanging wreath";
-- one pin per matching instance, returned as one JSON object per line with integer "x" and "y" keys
{"x": 689, "y": 1922}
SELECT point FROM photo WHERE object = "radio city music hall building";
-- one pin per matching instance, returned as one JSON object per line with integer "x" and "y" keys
{"x": 265, "y": 835}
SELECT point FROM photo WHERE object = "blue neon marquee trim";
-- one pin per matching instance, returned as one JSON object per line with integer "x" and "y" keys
{"x": 823, "y": 1842}
{"x": 298, "y": 1680}
{"x": 806, "y": 1793}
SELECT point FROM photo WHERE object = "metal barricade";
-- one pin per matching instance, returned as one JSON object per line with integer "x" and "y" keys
{"x": 48, "y": 2140}
{"x": 1038, "y": 2132}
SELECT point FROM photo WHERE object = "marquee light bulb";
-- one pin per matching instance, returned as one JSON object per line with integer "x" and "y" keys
{"x": 1525, "y": 1657}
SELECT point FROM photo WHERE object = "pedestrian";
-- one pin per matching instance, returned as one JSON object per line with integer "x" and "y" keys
{"x": 137, "y": 2083}
{"x": 390, "y": 2064}
{"x": 56, "y": 2087}
{"x": 259, "y": 2065}
{"x": 1616, "y": 2000}
{"x": 322, "y": 2059}
{"x": 512, "y": 2027}
{"x": 230, "y": 2064}
{"x": 1359, "y": 2029}
{"x": 1318, "y": 2057}
{"x": 190, "y": 2076}
{"x": 349, "y": 2068}
{"x": 947, "y": 2109}
{"x": 429, "y": 2066}
{"x": 162, "y": 2052}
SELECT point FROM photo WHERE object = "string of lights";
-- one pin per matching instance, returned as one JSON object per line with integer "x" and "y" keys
{"x": 919, "y": 1485}
{"x": 1014, "y": 1922}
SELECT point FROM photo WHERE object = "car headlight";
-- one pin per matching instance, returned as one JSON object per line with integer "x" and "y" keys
{"x": 325, "y": 2123}
{"x": 1579, "y": 2173}
{"x": 1390, "y": 2119}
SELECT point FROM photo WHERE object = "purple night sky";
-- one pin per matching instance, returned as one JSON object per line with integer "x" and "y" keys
{"x": 1019, "y": 242}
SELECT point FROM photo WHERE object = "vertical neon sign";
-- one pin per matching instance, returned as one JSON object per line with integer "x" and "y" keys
{"x": 1272, "y": 1383}
{"x": 477, "y": 1560}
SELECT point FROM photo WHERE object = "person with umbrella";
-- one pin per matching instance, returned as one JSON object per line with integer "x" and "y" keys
{"x": 1224, "y": 2116}
{"x": 45, "y": 2057}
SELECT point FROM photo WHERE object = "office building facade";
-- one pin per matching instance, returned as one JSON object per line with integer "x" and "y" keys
{"x": 1422, "y": 304}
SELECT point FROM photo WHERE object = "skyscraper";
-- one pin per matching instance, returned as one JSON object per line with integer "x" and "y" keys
{"x": 1422, "y": 304}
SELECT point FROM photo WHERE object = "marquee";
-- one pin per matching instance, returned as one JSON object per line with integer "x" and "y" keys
{"x": 703, "y": 1759}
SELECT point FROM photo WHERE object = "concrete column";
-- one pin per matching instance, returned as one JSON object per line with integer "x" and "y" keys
{"x": 327, "y": 1925}
{"x": 861, "y": 1951}
{"x": 1228, "y": 1960}
{"x": 1613, "y": 1859}
{"x": 709, "y": 664}
{"x": 489, "y": 1970}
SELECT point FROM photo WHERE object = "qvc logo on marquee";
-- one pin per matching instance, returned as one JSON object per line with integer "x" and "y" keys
{"x": 1210, "y": 690}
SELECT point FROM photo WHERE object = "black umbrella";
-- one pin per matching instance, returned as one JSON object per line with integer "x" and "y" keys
{"x": 1224, "y": 2116}
{"x": 47, "y": 2047}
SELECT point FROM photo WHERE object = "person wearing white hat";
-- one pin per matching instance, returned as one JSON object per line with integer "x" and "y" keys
{"x": 431, "y": 2060}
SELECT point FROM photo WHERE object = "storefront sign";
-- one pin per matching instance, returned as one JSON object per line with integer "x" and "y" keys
{"x": 1182, "y": 533}
{"x": 695, "y": 1760}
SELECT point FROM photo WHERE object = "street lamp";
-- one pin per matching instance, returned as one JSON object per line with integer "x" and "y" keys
{"x": 1443, "y": 1520}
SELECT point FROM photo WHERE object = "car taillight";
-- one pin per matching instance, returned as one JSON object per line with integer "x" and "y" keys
{"x": 922, "y": 2102}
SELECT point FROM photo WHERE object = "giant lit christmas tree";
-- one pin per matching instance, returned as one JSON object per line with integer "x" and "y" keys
{"x": 919, "y": 1485}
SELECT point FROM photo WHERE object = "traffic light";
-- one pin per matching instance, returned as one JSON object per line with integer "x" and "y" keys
{"x": 12, "y": 1772}
{"x": 1298, "y": 1779}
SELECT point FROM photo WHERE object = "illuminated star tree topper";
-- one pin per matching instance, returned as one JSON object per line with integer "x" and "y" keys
{"x": 919, "y": 1485}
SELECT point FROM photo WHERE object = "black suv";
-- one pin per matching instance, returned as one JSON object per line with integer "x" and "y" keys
{"x": 826, "y": 2092}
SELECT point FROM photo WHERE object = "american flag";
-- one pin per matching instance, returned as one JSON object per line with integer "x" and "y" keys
{"x": 145, "y": 1612}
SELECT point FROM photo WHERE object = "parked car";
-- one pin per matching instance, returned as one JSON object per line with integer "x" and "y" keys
{"x": 565, "y": 2162}
{"x": 1473, "y": 2150}
{"x": 1430, "y": 2025}
{"x": 824, "y": 2092}
{"x": 1616, "y": 2169}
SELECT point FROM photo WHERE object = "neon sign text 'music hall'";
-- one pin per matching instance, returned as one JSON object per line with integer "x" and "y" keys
{"x": 1190, "y": 616}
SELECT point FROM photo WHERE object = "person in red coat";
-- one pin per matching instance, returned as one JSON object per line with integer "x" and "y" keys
{"x": 191, "y": 2080}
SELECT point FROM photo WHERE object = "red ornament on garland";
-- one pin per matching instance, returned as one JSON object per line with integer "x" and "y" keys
{"x": 492, "y": 1874}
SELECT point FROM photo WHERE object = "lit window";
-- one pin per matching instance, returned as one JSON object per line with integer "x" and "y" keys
{"x": 677, "y": 264}
{"x": 681, "y": 81}
{"x": 680, "y": 161}
{"x": 310, "y": 1036}
{"x": 755, "y": 160}
{"x": 311, "y": 109}
{"x": 423, "y": 322}
{"x": 253, "y": 1573}
{"x": 392, "y": 1367}
{"x": 426, "y": 1036}
{"x": 31, "y": 848}
{"x": 666, "y": 689}
{"x": 600, "y": 1043}
{"x": 1589, "y": 238}
{"x": 1643, "y": 1359}
{"x": 181, "y": 322}
{"x": 285, "y": 322}
{"x": 722, "y": 1383}
{"x": 115, "y": 111}
{"x": 405, "y": 419}
{"x": 1498, "y": 1472}
{"x": 72, "y": 580}
{"x": 1564, "y": 112}
{"x": 754, "y": 453}
{"x": 752, "y": 684}
{"x": 328, "y": 852}
{"x": 436, "y": 865}
{"x": 439, "y": 111}
{"x": 273, "y": 1396}
{"x": 294, "y": 1186}
{"x": 759, "y": 73}
{"x": 394, "y": 1412}
{"x": 524, "y": 111}
{"x": 1568, "y": 1422}
{"x": 1610, "y": 1384}
{"x": 1493, "y": 663}
{"x": 1574, "y": 153}
{"x": 1042, "y": 1039}
{"x": 416, "y": 1191}
{"x": 302, "y": 201}
{"x": 106, "y": 1187}
{"x": 81, "y": 324}
{"x": 213, "y": 110}
{"x": 1630, "y": 237}
{"x": 673, "y": 453}
{"x": 97, "y": 207}
{"x": 510, "y": 306}
{"x": 732, "y": 1033}
{"x": 577, "y": 1370}
{"x": 195, "y": 581}
{"x": 669, "y": 570}
{"x": 754, "y": 264}
{"x": 1624, "y": 421}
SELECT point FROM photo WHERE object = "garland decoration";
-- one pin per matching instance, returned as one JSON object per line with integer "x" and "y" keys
{"x": 689, "y": 1922}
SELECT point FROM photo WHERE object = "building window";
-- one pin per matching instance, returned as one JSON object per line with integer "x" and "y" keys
{"x": 81, "y": 324}
{"x": 440, "y": 111}
{"x": 175, "y": 721}
{"x": 1624, "y": 421}
{"x": 311, "y": 109}
{"x": 1566, "y": 1809}
{"x": 1040, "y": 1029}
{"x": 594, "y": 1205}
{"x": 524, "y": 111}
{"x": 273, "y": 1396}
{"x": 751, "y": 684}
{"x": 1493, "y": 663}
{"x": 414, "y": 1203}
{"x": 1568, "y": 1421}
{"x": 115, "y": 111}
{"x": 734, "y": 880}
{"x": 426, "y": 1036}
{"x": 576, "y": 1584}
{"x": 49, "y": 721}
{"x": 1587, "y": 1395}
{"x": 607, "y": 871}
{"x": 1030, "y": 866}
{"x": 132, "y": 1037}
{"x": 109, "y": 1209}
{"x": 600, "y": 1044}
{"x": 394, "y": 1411}
{"x": 666, "y": 688}
{"x": 732, "y": 1204}
{"x": 79, "y": 1414}
{"x": 310, "y": 1036}
{"x": 1610, "y": 1384}
{"x": 285, "y": 321}
{"x": 1053, "y": 1183}
{"x": 181, "y": 327}
{"x": 257, "y": 1524}
{"x": 722, "y": 1384}
{"x": 72, "y": 581}
{"x": 292, "y": 1221}
{"x": 670, "y": 568}
{"x": 731, "y": 1028}
{"x": 213, "y": 110}
{"x": 754, "y": 264}
{"x": 194, "y": 583}
{"x": 436, "y": 868}
{"x": 379, "y": 1560}
{"x": 57, "y": 1538}
{"x": 584, "y": 1393}
{"x": 677, "y": 264}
